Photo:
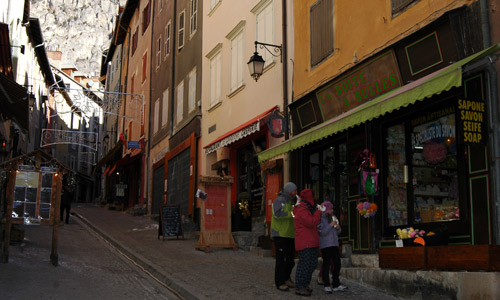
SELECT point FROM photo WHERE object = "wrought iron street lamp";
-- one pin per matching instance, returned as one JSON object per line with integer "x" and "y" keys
{"x": 256, "y": 62}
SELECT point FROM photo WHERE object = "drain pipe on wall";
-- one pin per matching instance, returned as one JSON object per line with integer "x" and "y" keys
{"x": 492, "y": 79}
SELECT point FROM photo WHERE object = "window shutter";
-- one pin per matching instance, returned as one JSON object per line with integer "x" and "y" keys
{"x": 400, "y": 5}
{"x": 322, "y": 35}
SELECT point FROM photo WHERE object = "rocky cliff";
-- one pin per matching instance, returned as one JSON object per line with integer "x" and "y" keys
{"x": 81, "y": 29}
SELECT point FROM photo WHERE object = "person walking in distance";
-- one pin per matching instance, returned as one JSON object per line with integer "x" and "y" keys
{"x": 283, "y": 234}
{"x": 306, "y": 240}
{"x": 66, "y": 198}
{"x": 329, "y": 230}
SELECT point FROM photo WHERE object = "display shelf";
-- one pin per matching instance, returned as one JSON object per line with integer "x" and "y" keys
{"x": 419, "y": 180}
{"x": 434, "y": 167}
{"x": 430, "y": 194}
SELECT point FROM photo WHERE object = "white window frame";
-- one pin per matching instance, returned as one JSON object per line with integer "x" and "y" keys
{"x": 237, "y": 59}
{"x": 180, "y": 102}
{"x": 215, "y": 65}
{"x": 265, "y": 28}
{"x": 192, "y": 90}
{"x": 156, "y": 120}
{"x": 160, "y": 5}
{"x": 193, "y": 18}
{"x": 165, "y": 107}
{"x": 158, "y": 53}
{"x": 167, "y": 38}
{"x": 214, "y": 4}
{"x": 181, "y": 32}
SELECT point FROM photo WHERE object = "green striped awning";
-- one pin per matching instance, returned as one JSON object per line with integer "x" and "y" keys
{"x": 432, "y": 84}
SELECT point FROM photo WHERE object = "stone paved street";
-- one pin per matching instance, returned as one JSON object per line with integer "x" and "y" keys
{"x": 220, "y": 274}
{"x": 88, "y": 269}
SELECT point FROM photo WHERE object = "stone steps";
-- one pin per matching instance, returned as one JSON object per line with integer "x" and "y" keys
{"x": 436, "y": 284}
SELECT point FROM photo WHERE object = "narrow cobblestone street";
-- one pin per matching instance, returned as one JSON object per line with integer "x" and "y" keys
{"x": 93, "y": 268}
{"x": 88, "y": 269}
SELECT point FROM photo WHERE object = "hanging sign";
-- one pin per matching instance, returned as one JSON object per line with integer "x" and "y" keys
{"x": 472, "y": 122}
{"x": 276, "y": 124}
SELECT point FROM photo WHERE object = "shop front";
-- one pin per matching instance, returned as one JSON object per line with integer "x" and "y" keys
{"x": 236, "y": 153}
{"x": 401, "y": 144}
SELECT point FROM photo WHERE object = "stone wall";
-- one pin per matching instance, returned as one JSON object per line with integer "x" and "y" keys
{"x": 81, "y": 29}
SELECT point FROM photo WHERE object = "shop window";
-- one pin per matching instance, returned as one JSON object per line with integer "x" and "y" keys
{"x": 435, "y": 176}
{"x": 327, "y": 175}
{"x": 397, "y": 206}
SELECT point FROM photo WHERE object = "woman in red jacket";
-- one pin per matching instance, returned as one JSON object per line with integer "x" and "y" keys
{"x": 306, "y": 240}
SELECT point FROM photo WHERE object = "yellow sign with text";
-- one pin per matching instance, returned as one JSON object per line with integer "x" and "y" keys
{"x": 472, "y": 120}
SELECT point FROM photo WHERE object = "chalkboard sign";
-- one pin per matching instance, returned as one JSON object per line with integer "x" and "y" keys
{"x": 170, "y": 221}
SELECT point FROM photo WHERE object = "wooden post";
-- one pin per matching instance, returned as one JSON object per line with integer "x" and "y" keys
{"x": 8, "y": 224}
{"x": 56, "y": 200}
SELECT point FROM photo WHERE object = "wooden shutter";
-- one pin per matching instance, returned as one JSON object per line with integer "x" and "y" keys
{"x": 322, "y": 43}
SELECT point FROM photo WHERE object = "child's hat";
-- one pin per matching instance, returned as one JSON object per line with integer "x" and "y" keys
{"x": 328, "y": 205}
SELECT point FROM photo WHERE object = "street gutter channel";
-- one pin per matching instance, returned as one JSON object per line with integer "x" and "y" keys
{"x": 140, "y": 262}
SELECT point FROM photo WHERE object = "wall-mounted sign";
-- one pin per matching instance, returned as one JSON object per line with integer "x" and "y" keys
{"x": 133, "y": 144}
{"x": 372, "y": 79}
{"x": 472, "y": 122}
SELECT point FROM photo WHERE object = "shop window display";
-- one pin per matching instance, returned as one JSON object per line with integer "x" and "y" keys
{"x": 327, "y": 175}
{"x": 435, "y": 176}
{"x": 397, "y": 208}
{"x": 30, "y": 202}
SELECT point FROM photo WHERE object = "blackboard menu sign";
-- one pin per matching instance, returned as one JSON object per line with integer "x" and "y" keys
{"x": 170, "y": 221}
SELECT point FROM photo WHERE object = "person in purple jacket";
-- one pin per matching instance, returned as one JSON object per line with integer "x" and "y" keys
{"x": 329, "y": 229}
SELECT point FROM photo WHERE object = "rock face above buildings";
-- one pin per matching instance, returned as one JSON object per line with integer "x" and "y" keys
{"x": 81, "y": 29}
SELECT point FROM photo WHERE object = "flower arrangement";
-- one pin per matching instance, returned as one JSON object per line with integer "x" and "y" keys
{"x": 243, "y": 204}
{"x": 407, "y": 233}
{"x": 415, "y": 236}
{"x": 367, "y": 209}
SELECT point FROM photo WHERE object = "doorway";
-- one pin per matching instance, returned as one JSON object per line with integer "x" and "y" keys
{"x": 326, "y": 174}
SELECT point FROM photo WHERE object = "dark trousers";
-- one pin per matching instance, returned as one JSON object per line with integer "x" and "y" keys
{"x": 285, "y": 255}
{"x": 331, "y": 254}
{"x": 66, "y": 207}
{"x": 308, "y": 261}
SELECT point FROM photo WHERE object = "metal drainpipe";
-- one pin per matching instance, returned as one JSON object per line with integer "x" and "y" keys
{"x": 151, "y": 65}
{"x": 172, "y": 87}
{"x": 485, "y": 23}
{"x": 284, "y": 52}
{"x": 285, "y": 68}
{"x": 492, "y": 77}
